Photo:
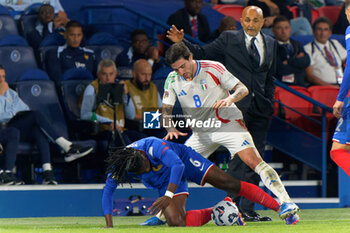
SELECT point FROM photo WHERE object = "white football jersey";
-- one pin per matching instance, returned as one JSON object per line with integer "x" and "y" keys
{"x": 211, "y": 82}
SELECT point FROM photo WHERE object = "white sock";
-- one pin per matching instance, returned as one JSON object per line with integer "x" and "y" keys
{"x": 272, "y": 181}
{"x": 63, "y": 143}
{"x": 47, "y": 167}
{"x": 160, "y": 215}
{"x": 8, "y": 171}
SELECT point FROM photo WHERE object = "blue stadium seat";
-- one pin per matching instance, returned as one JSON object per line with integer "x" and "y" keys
{"x": 77, "y": 74}
{"x": 161, "y": 73}
{"x": 43, "y": 51}
{"x": 102, "y": 38}
{"x": 40, "y": 95}
{"x": 71, "y": 92}
{"x": 8, "y": 26}
{"x": 16, "y": 60}
{"x": 28, "y": 18}
{"x": 105, "y": 51}
{"x": 33, "y": 74}
{"x": 14, "y": 40}
{"x": 54, "y": 39}
{"x": 4, "y": 10}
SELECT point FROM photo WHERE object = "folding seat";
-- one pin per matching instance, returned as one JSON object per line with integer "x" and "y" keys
{"x": 16, "y": 60}
{"x": 72, "y": 87}
{"x": 326, "y": 95}
{"x": 234, "y": 11}
{"x": 331, "y": 12}
{"x": 7, "y": 26}
{"x": 294, "y": 102}
{"x": 41, "y": 95}
{"x": 28, "y": 18}
{"x": 104, "y": 45}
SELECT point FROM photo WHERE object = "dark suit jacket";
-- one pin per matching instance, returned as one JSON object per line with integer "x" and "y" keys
{"x": 181, "y": 20}
{"x": 295, "y": 65}
{"x": 230, "y": 49}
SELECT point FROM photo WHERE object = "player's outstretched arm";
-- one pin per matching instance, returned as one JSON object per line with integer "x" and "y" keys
{"x": 175, "y": 35}
{"x": 337, "y": 107}
{"x": 240, "y": 91}
{"x": 167, "y": 111}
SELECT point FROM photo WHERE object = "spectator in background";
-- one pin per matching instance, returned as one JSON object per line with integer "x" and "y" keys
{"x": 71, "y": 55}
{"x": 272, "y": 8}
{"x": 342, "y": 22}
{"x": 47, "y": 23}
{"x": 326, "y": 55}
{"x": 140, "y": 49}
{"x": 9, "y": 140}
{"x": 34, "y": 126}
{"x": 144, "y": 95}
{"x": 191, "y": 20}
{"x": 96, "y": 103}
{"x": 291, "y": 57}
{"x": 226, "y": 23}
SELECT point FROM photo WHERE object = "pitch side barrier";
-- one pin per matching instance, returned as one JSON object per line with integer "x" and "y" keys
{"x": 128, "y": 18}
{"x": 299, "y": 143}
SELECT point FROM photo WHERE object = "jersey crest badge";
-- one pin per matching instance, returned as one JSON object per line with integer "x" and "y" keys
{"x": 203, "y": 84}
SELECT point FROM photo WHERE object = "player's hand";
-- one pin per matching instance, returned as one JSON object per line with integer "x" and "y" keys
{"x": 1, "y": 149}
{"x": 175, "y": 35}
{"x": 159, "y": 205}
{"x": 174, "y": 133}
{"x": 153, "y": 53}
{"x": 223, "y": 103}
{"x": 337, "y": 107}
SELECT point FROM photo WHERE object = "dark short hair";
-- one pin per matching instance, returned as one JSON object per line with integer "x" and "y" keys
{"x": 176, "y": 52}
{"x": 2, "y": 67}
{"x": 322, "y": 20}
{"x": 137, "y": 32}
{"x": 280, "y": 18}
{"x": 73, "y": 23}
{"x": 45, "y": 5}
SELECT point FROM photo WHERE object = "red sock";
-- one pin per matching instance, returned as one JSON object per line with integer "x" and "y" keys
{"x": 196, "y": 218}
{"x": 257, "y": 195}
{"x": 342, "y": 158}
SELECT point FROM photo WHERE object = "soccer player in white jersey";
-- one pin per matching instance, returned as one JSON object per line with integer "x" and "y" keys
{"x": 202, "y": 88}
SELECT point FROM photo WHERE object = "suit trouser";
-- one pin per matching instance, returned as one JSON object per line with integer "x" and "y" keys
{"x": 9, "y": 138}
{"x": 257, "y": 127}
{"x": 32, "y": 125}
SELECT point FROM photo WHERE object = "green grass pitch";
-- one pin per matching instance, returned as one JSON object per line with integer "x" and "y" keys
{"x": 318, "y": 221}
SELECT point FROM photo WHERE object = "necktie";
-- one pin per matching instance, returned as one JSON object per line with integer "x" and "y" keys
{"x": 194, "y": 28}
{"x": 254, "y": 54}
{"x": 45, "y": 31}
{"x": 289, "y": 49}
{"x": 330, "y": 57}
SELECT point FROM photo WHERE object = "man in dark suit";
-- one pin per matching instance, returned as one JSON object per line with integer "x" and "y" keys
{"x": 191, "y": 20}
{"x": 250, "y": 56}
{"x": 291, "y": 57}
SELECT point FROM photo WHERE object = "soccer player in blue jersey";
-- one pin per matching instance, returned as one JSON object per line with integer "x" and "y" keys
{"x": 341, "y": 138}
{"x": 167, "y": 166}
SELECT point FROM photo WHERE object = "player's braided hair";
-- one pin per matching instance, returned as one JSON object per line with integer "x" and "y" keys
{"x": 122, "y": 161}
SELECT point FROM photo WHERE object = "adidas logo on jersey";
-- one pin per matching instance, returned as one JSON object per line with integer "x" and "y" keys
{"x": 182, "y": 93}
{"x": 245, "y": 143}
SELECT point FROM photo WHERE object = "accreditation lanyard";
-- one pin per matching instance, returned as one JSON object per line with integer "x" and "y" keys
{"x": 325, "y": 57}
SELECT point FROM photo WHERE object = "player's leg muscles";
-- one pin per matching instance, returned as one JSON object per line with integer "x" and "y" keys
{"x": 221, "y": 180}
{"x": 268, "y": 175}
{"x": 175, "y": 213}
